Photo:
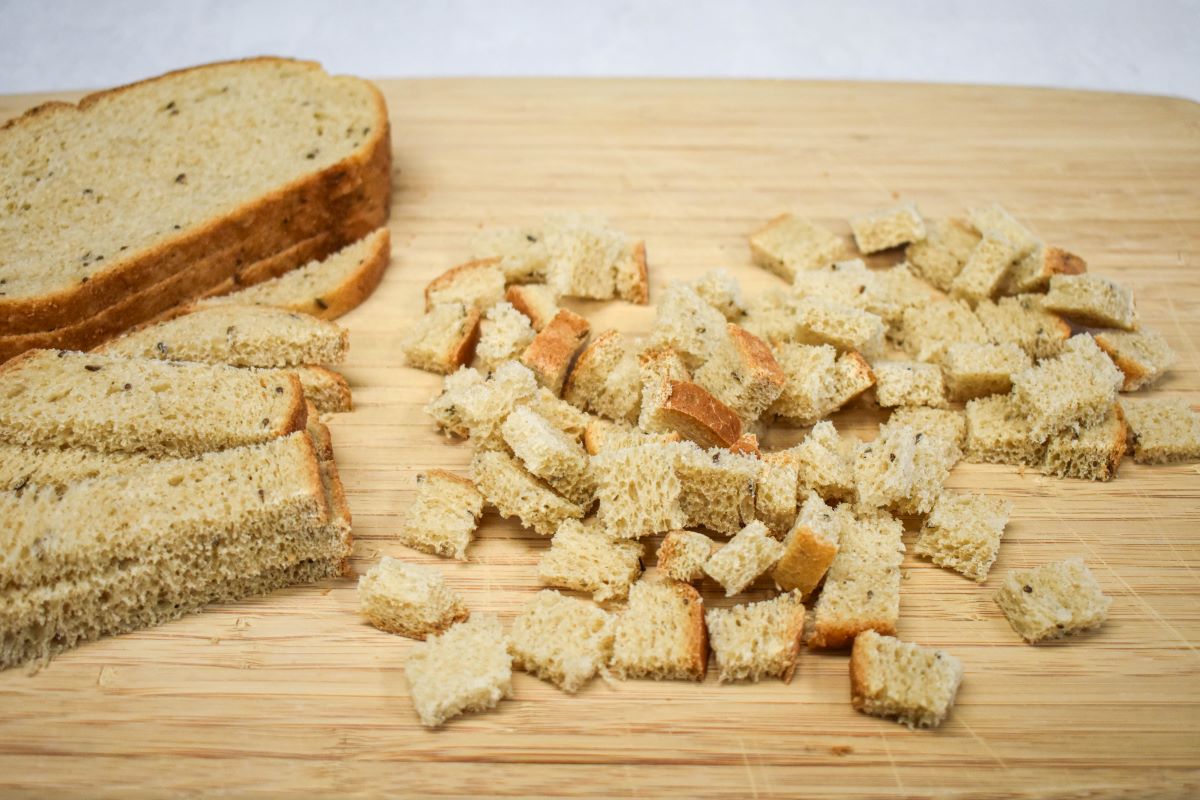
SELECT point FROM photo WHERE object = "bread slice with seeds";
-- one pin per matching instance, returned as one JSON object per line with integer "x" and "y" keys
{"x": 505, "y": 484}
{"x": 587, "y": 559}
{"x": 638, "y": 490}
{"x": 683, "y": 554}
{"x": 788, "y": 244}
{"x": 941, "y": 255}
{"x": 912, "y": 684}
{"x": 466, "y": 669}
{"x": 504, "y": 333}
{"x": 908, "y": 383}
{"x": 998, "y": 434}
{"x": 561, "y": 639}
{"x": 661, "y": 633}
{"x": 1092, "y": 300}
{"x": 1033, "y": 272}
{"x": 887, "y": 228}
{"x": 539, "y": 302}
{"x": 1092, "y": 453}
{"x": 752, "y": 552}
{"x": 963, "y": 533}
{"x": 721, "y": 291}
{"x": 1142, "y": 355}
{"x": 408, "y": 599}
{"x": 479, "y": 284}
{"x": 809, "y": 547}
{"x": 327, "y": 390}
{"x": 1054, "y": 600}
{"x": 1075, "y": 389}
{"x": 553, "y": 350}
{"x": 606, "y": 379}
{"x": 550, "y": 454}
{"x": 443, "y": 516}
{"x": 977, "y": 370}
{"x": 997, "y": 222}
{"x": 743, "y": 374}
{"x": 1163, "y": 430}
{"x": 443, "y": 339}
{"x": 757, "y": 640}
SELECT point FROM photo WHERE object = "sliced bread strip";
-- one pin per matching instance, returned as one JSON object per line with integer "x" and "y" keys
{"x": 912, "y": 684}
{"x": 408, "y": 599}
{"x": 757, "y": 640}
{"x": 1163, "y": 430}
{"x": 466, "y": 669}
{"x": 682, "y": 555}
{"x": 1054, "y": 600}
{"x": 328, "y": 391}
{"x": 443, "y": 516}
{"x": 586, "y": 559}
{"x": 562, "y": 639}
{"x": 661, "y": 633}
{"x": 750, "y": 553}
{"x": 963, "y": 533}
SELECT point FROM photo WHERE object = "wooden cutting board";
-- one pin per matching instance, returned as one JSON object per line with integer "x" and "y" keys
{"x": 292, "y": 692}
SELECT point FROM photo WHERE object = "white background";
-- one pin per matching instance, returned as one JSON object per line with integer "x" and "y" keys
{"x": 1152, "y": 46}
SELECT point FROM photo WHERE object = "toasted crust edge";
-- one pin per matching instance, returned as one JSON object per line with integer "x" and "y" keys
{"x": 690, "y": 408}
{"x": 553, "y": 350}
{"x": 639, "y": 292}
{"x": 448, "y": 277}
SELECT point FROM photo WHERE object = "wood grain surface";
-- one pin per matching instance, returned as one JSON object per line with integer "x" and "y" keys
{"x": 293, "y": 693}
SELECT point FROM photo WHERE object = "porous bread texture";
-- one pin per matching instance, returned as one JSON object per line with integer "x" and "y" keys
{"x": 161, "y": 408}
{"x": 479, "y": 284}
{"x": 590, "y": 560}
{"x": 820, "y": 321}
{"x": 721, "y": 291}
{"x": 602, "y": 435}
{"x": 638, "y": 490}
{"x": 1163, "y": 430}
{"x": 1092, "y": 300}
{"x": 775, "y": 490}
{"x": 893, "y": 679}
{"x": 443, "y": 339}
{"x": 769, "y": 316}
{"x": 788, "y": 244}
{"x": 242, "y": 336}
{"x": 561, "y": 639}
{"x": 963, "y": 533}
{"x": 550, "y": 454}
{"x": 995, "y": 221}
{"x": 850, "y": 283}
{"x": 998, "y": 434}
{"x": 327, "y": 390}
{"x": 895, "y": 289}
{"x": 940, "y": 257}
{"x": 658, "y": 366}
{"x": 606, "y": 379}
{"x": 926, "y": 331}
{"x": 1022, "y": 321}
{"x": 827, "y": 462}
{"x": 443, "y": 516}
{"x": 977, "y": 370}
{"x": 470, "y": 405}
{"x": 689, "y": 410}
{"x": 159, "y": 198}
{"x": 1143, "y": 355}
{"x": 553, "y": 350}
{"x": 506, "y": 485}
{"x": 446, "y": 408}
{"x": 742, "y": 373}
{"x": 757, "y": 640}
{"x": 752, "y": 552}
{"x": 717, "y": 487}
{"x": 949, "y": 424}
{"x": 1054, "y": 600}
{"x": 887, "y": 227}
{"x": 504, "y": 333}
{"x": 810, "y": 382}
{"x": 809, "y": 547}
{"x": 661, "y": 633}
{"x": 539, "y": 302}
{"x": 683, "y": 554}
{"x": 1072, "y": 390}
{"x": 908, "y": 383}
{"x": 561, "y": 414}
{"x": 585, "y": 257}
{"x": 466, "y": 669}
{"x": 60, "y": 467}
{"x": 903, "y": 470}
{"x": 985, "y": 270}
{"x": 862, "y": 586}
{"x": 521, "y": 252}
{"x": 1093, "y": 453}
{"x": 408, "y": 599}
{"x": 1033, "y": 272}
{"x": 687, "y": 324}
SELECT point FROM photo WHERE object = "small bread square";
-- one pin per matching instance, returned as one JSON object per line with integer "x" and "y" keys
{"x": 941, "y": 256}
{"x": 887, "y": 228}
{"x": 582, "y": 255}
{"x": 443, "y": 339}
{"x": 996, "y": 221}
{"x": 977, "y": 370}
{"x": 827, "y": 462}
{"x": 912, "y": 684}
{"x": 606, "y": 379}
{"x": 718, "y": 487}
{"x": 550, "y": 454}
{"x": 1092, "y": 300}
{"x": 810, "y": 382}
{"x": 1142, "y": 355}
{"x": 601, "y": 436}
{"x": 787, "y": 245}
{"x": 775, "y": 490}
{"x": 749, "y": 554}
{"x": 820, "y": 321}
{"x": 683, "y": 554}
{"x": 408, "y": 599}
{"x": 632, "y": 277}
{"x": 757, "y": 640}
{"x": 1093, "y": 453}
{"x": 985, "y": 270}
{"x": 465, "y": 669}
{"x": 561, "y": 639}
{"x": 553, "y": 350}
{"x": 1022, "y": 321}
{"x": 963, "y": 533}
{"x": 587, "y": 559}
{"x": 945, "y": 423}
{"x": 1072, "y": 390}
{"x": 521, "y": 253}
{"x": 504, "y": 333}
{"x": 691, "y": 411}
{"x": 537, "y": 301}
{"x": 444, "y": 515}
{"x": 903, "y": 470}
{"x": 908, "y": 383}
{"x": 688, "y": 325}
{"x": 1052, "y": 601}
{"x": 809, "y": 547}
{"x": 515, "y": 493}
{"x": 638, "y": 490}
{"x": 447, "y": 408}
{"x": 1163, "y": 430}
{"x": 998, "y": 434}
{"x": 925, "y": 332}
{"x": 661, "y": 633}
{"x": 721, "y": 291}
{"x": 1033, "y": 272}
{"x": 743, "y": 374}
{"x": 476, "y": 283}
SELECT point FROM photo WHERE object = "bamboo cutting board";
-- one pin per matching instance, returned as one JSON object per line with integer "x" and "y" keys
{"x": 292, "y": 692}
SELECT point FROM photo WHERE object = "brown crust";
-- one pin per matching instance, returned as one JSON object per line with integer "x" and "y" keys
{"x": 585, "y": 357}
{"x": 1120, "y": 445}
{"x": 795, "y": 635}
{"x": 319, "y": 432}
{"x": 808, "y": 551}
{"x": 451, "y": 275}
{"x": 756, "y": 354}
{"x": 310, "y": 204}
{"x": 345, "y": 399}
{"x": 464, "y": 349}
{"x": 552, "y": 351}
{"x": 296, "y": 417}
{"x": 1133, "y": 370}
{"x": 640, "y": 291}
{"x": 746, "y": 445}
{"x": 858, "y": 676}
{"x": 357, "y": 287}
{"x": 516, "y": 296}
{"x": 695, "y": 414}
{"x": 697, "y": 630}
{"x": 1056, "y": 261}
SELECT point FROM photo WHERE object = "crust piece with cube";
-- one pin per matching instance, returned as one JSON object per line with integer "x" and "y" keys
{"x": 1092, "y": 300}
{"x": 550, "y": 454}
{"x": 1052, "y": 601}
{"x": 1143, "y": 355}
{"x": 912, "y": 684}
{"x": 1033, "y": 272}
{"x": 476, "y": 283}
{"x": 606, "y": 379}
{"x": 757, "y": 640}
{"x": 537, "y": 301}
{"x": 443, "y": 339}
{"x": 408, "y": 599}
{"x": 809, "y": 547}
{"x": 1092, "y": 453}
{"x": 742, "y": 373}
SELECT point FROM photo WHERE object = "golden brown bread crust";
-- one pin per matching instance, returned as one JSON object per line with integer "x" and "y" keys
{"x": 805, "y": 560}
{"x": 639, "y": 292}
{"x": 581, "y": 362}
{"x": 319, "y": 432}
{"x": 1056, "y": 261}
{"x": 746, "y": 445}
{"x": 296, "y": 417}
{"x": 292, "y": 213}
{"x": 757, "y": 354}
{"x": 464, "y": 349}
{"x": 553, "y": 350}
{"x": 858, "y": 678}
{"x": 1131, "y": 368}
{"x": 345, "y": 398}
{"x": 795, "y": 636}
{"x": 449, "y": 276}
{"x": 516, "y": 296}
{"x": 339, "y": 512}
{"x": 695, "y": 414}
{"x": 697, "y": 630}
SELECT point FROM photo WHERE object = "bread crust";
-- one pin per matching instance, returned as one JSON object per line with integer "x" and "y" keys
{"x": 584, "y": 358}
{"x": 451, "y": 275}
{"x": 858, "y": 678}
{"x": 464, "y": 349}
{"x": 516, "y": 296}
{"x": 746, "y": 445}
{"x": 795, "y": 636}
{"x": 553, "y": 350}
{"x": 697, "y": 630}
{"x": 296, "y": 417}
{"x": 295, "y": 211}
{"x": 639, "y": 292}
{"x": 836, "y": 635}
{"x": 695, "y": 414}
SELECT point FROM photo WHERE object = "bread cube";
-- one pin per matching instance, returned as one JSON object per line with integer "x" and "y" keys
{"x": 717, "y": 488}
{"x": 1033, "y": 272}
{"x": 504, "y": 333}
{"x": 444, "y": 515}
{"x": 948, "y": 424}
{"x": 985, "y": 270}
{"x": 908, "y": 383}
{"x": 1022, "y": 321}
{"x": 912, "y": 684}
{"x": 606, "y": 379}
{"x": 688, "y": 325}
{"x": 721, "y": 291}
{"x": 827, "y": 460}
{"x": 809, "y": 547}
{"x": 810, "y": 382}
{"x": 743, "y": 374}
{"x": 757, "y": 640}
{"x": 998, "y": 434}
{"x": 775, "y": 490}
{"x": 553, "y": 350}
{"x": 521, "y": 253}
{"x": 683, "y": 554}
{"x": 1092, "y": 300}
{"x": 582, "y": 255}
{"x": 561, "y": 639}
{"x": 1163, "y": 430}
{"x": 1093, "y": 453}
{"x": 977, "y": 370}
{"x": 925, "y": 332}
{"x": 590, "y": 560}
{"x": 538, "y": 302}
{"x": 1072, "y": 390}
{"x": 466, "y": 669}
{"x": 996, "y": 222}
{"x": 963, "y": 533}
{"x": 1143, "y": 356}
{"x": 847, "y": 328}
{"x": 443, "y": 339}
{"x": 887, "y": 228}
{"x": 638, "y": 490}
{"x": 749, "y": 554}
{"x": 479, "y": 284}
{"x": 550, "y": 454}
{"x": 1052, "y": 601}
{"x": 941, "y": 255}
{"x": 661, "y": 634}
{"x": 787, "y": 245}
{"x": 408, "y": 599}
{"x": 515, "y": 493}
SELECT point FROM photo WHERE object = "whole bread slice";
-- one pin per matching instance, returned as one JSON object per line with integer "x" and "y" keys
{"x": 81, "y": 237}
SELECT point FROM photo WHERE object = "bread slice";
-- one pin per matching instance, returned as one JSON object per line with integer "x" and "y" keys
{"x": 757, "y": 640}
{"x": 521, "y": 252}
{"x": 963, "y": 533}
{"x": 941, "y": 255}
{"x": 827, "y": 462}
{"x": 443, "y": 339}
{"x": 327, "y": 390}
{"x": 148, "y": 133}
{"x": 1054, "y": 600}
{"x": 927, "y": 331}
{"x": 908, "y": 383}
{"x": 408, "y": 599}
{"x": 553, "y": 350}
{"x": 504, "y": 333}
{"x": 743, "y": 374}
{"x": 466, "y": 669}
{"x": 1092, "y": 453}
{"x": 820, "y": 321}
{"x": 948, "y": 424}
{"x": 998, "y": 434}
{"x": 887, "y": 228}
{"x": 752, "y": 552}
{"x": 977, "y": 370}
{"x": 1022, "y": 321}
{"x": 689, "y": 410}
{"x": 115, "y": 404}
{"x": 775, "y": 490}
{"x": 1072, "y": 390}
{"x": 688, "y": 325}
{"x": 562, "y": 639}
{"x": 787, "y": 245}
{"x": 986, "y": 268}
{"x": 1092, "y": 300}
{"x": 721, "y": 291}
{"x": 718, "y": 487}
{"x": 1033, "y": 272}
{"x": 477, "y": 283}
{"x": 682, "y": 555}
{"x": 661, "y": 634}
{"x": 1142, "y": 355}
{"x": 996, "y": 222}
{"x": 862, "y": 587}
{"x": 638, "y": 490}
{"x": 443, "y": 516}
{"x": 602, "y": 436}
{"x": 1163, "y": 430}
{"x": 590, "y": 560}
{"x": 550, "y": 454}
{"x": 606, "y": 379}
{"x": 809, "y": 547}
{"x": 912, "y": 684}
{"x": 506, "y": 485}
{"x": 536, "y": 301}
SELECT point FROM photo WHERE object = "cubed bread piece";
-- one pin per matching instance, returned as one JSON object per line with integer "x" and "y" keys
{"x": 515, "y": 493}
{"x": 810, "y": 382}
{"x": 1142, "y": 355}
{"x": 885, "y": 471}
{"x": 933, "y": 458}
{"x": 749, "y": 554}
{"x": 589, "y": 560}
{"x": 443, "y": 339}
{"x": 561, "y": 414}
{"x": 926, "y": 331}
{"x": 465, "y": 669}
{"x": 977, "y": 370}
{"x": 661, "y": 633}
{"x": 327, "y": 390}
{"x": 852, "y": 377}
{"x": 632, "y": 276}
{"x": 827, "y": 462}
{"x": 1052, "y": 601}
{"x": 683, "y": 554}
{"x": 1072, "y": 390}
{"x": 947, "y": 246}
{"x": 946, "y": 423}
{"x": 1093, "y": 453}
{"x": 606, "y": 379}
{"x": 444, "y": 515}
{"x": 550, "y": 454}
{"x": 1092, "y": 300}
{"x": 537, "y": 301}
{"x": 1022, "y": 321}
{"x": 743, "y": 374}
{"x": 484, "y": 407}
{"x": 602, "y": 436}
{"x": 847, "y": 283}
{"x": 718, "y": 488}
{"x": 908, "y": 383}
{"x": 995, "y": 221}
{"x": 1033, "y": 272}
{"x": 721, "y": 291}
{"x": 809, "y": 547}
{"x": 787, "y": 245}
{"x": 504, "y": 333}
{"x": 553, "y": 350}
{"x": 757, "y": 640}
{"x": 638, "y": 490}
{"x": 408, "y": 599}
{"x": 446, "y": 408}
{"x": 1163, "y": 430}
{"x": 775, "y": 490}
{"x": 561, "y": 639}
{"x": 845, "y": 327}
{"x": 887, "y": 227}
{"x": 862, "y": 586}
{"x": 689, "y": 410}
{"x": 479, "y": 284}
{"x": 769, "y": 316}
{"x": 963, "y": 533}
{"x": 985, "y": 270}
{"x": 687, "y": 324}
{"x": 582, "y": 255}
{"x": 658, "y": 366}
{"x": 521, "y": 253}
{"x": 896, "y": 289}
{"x": 894, "y": 679}
{"x": 998, "y": 434}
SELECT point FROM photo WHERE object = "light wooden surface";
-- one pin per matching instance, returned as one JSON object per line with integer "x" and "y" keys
{"x": 292, "y": 692}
